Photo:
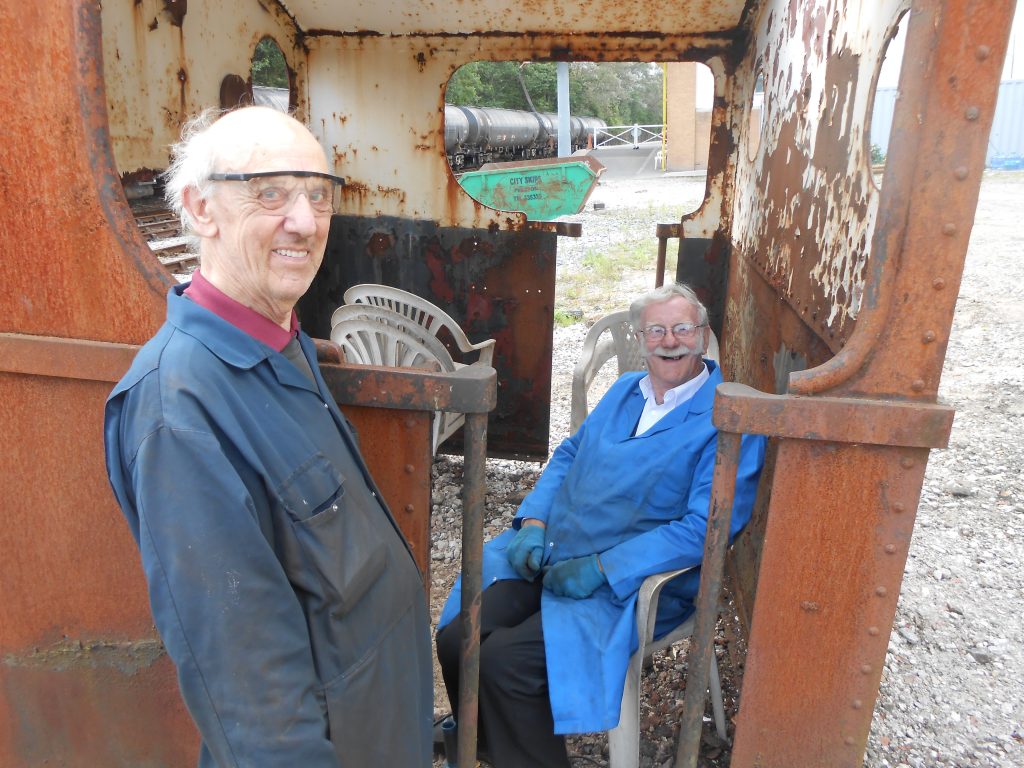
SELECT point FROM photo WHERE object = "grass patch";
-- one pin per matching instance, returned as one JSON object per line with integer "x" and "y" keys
{"x": 607, "y": 280}
{"x": 566, "y": 317}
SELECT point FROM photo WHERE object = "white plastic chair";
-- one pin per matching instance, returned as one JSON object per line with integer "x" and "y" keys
{"x": 620, "y": 343}
{"x": 423, "y": 312}
{"x": 375, "y": 336}
{"x": 624, "y": 739}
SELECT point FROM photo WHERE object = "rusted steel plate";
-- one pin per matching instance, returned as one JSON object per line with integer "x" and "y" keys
{"x": 396, "y": 446}
{"x": 495, "y": 284}
{"x": 739, "y": 408}
{"x": 395, "y": 18}
{"x": 80, "y": 681}
{"x": 65, "y": 358}
{"x": 70, "y": 569}
{"x": 806, "y": 203}
{"x": 138, "y": 719}
{"x": 840, "y": 515}
{"x": 82, "y": 270}
{"x": 929, "y": 194}
{"x": 839, "y": 527}
{"x": 392, "y": 411}
{"x": 471, "y": 390}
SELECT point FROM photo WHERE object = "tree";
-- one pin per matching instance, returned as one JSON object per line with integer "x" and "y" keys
{"x": 618, "y": 93}
{"x": 269, "y": 68}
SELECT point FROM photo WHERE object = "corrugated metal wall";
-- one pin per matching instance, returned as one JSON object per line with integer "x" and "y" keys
{"x": 1006, "y": 142}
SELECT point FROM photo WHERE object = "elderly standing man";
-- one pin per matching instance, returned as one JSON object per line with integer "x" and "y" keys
{"x": 622, "y": 499}
{"x": 282, "y": 589}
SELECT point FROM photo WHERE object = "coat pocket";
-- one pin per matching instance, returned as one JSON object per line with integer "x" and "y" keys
{"x": 339, "y": 540}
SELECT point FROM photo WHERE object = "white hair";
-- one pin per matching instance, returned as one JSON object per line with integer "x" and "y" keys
{"x": 193, "y": 159}
{"x": 664, "y": 293}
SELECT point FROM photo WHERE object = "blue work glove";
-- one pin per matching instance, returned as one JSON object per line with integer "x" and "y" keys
{"x": 576, "y": 578}
{"x": 526, "y": 552}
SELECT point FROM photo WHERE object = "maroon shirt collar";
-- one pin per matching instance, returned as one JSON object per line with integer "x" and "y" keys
{"x": 207, "y": 295}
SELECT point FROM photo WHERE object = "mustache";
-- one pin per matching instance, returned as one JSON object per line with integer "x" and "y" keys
{"x": 681, "y": 351}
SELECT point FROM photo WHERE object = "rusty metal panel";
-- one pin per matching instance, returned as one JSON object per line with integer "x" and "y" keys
{"x": 142, "y": 720}
{"x": 376, "y": 103}
{"x": 829, "y": 580}
{"x": 396, "y": 446}
{"x": 872, "y": 279}
{"x": 805, "y": 206}
{"x": 77, "y": 642}
{"x": 165, "y": 61}
{"x": 387, "y": 408}
{"x": 74, "y": 264}
{"x": 83, "y": 677}
{"x": 394, "y": 17}
{"x": 495, "y": 284}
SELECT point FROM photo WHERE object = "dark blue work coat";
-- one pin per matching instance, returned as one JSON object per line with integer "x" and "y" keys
{"x": 641, "y": 503}
{"x": 281, "y": 587}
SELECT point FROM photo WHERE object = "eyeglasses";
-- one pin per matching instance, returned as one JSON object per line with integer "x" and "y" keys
{"x": 656, "y": 333}
{"x": 277, "y": 190}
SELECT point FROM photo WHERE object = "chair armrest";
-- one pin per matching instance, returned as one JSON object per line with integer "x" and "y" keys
{"x": 486, "y": 350}
{"x": 647, "y": 606}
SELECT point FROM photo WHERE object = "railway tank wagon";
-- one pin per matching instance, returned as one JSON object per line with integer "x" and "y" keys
{"x": 832, "y": 297}
{"x": 477, "y": 135}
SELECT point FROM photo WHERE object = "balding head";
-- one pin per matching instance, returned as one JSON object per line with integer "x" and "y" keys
{"x": 226, "y": 142}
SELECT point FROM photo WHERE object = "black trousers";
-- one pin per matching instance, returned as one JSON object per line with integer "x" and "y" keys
{"x": 516, "y": 727}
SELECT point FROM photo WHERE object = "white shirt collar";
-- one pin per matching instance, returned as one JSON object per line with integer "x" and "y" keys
{"x": 654, "y": 412}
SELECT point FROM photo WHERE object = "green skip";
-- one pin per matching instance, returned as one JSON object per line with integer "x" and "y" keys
{"x": 542, "y": 189}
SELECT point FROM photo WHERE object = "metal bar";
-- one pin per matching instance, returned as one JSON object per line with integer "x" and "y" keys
{"x": 65, "y": 358}
{"x": 739, "y": 408}
{"x": 702, "y": 644}
{"x": 472, "y": 389}
{"x": 659, "y": 269}
{"x": 473, "y": 493}
{"x": 663, "y": 232}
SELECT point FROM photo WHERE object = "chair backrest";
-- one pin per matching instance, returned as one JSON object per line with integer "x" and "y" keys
{"x": 374, "y": 335}
{"x": 419, "y": 310}
{"x": 388, "y": 341}
{"x": 621, "y": 344}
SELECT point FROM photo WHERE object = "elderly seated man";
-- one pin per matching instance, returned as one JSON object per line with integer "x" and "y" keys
{"x": 622, "y": 499}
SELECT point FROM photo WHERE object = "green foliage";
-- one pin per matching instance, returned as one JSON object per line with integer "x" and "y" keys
{"x": 567, "y": 317}
{"x": 877, "y": 155}
{"x": 268, "y": 65}
{"x": 618, "y": 93}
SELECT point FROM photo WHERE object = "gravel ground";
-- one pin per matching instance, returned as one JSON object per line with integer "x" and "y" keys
{"x": 951, "y": 692}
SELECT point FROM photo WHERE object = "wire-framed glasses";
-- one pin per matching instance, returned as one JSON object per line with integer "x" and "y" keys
{"x": 277, "y": 190}
{"x": 655, "y": 333}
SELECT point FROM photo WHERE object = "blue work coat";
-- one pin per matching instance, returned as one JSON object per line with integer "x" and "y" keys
{"x": 280, "y": 584}
{"x": 641, "y": 503}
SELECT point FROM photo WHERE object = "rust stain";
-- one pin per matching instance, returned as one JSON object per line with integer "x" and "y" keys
{"x": 127, "y": 657}
{"x": 379, "y": 245}
{"x": 176, "y": 9}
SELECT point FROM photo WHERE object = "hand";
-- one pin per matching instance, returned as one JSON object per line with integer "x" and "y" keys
{"x": 526, "y": 552}
{"x": 576, "y": 578}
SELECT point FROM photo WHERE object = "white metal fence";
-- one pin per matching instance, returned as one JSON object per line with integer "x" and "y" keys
{"x": 627, "y": 135}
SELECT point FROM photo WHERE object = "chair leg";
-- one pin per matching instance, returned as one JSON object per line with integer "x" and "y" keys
{"x": 624, "y": 739}
{"x": 715, "y": 687}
